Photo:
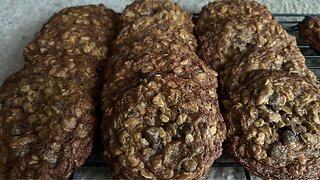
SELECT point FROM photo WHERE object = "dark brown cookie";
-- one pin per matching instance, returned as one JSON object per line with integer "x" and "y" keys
{"x": 71, "y": 68}
{"x": 82, "y": 31}
{"x": 309, "y": 29}
{"x": 287, "y": 59}
{"x": 164, "y": 127}
{"x": 237, "y": 36}
{"x": 161, "y": 116}
{"x": 163, "y": 10}
{"x": 273, "y": 126}
{"x": 46, "y": 128}
{"x": 216, "y": 12}
{"x": 130, "y": 70}
{"x": 47, "y": 108}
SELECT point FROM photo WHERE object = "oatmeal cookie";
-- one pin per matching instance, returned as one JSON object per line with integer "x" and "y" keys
{"x": 46, "y": 128}
{"x": 164, "y": 127}
{"x": 47, "y": 109}
{"x": 273, "y": 126}
{"x": 161, "y": 116}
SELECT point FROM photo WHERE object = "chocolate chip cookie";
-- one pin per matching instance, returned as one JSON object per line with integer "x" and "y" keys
{"x": 164, "y": 127}
{"x": 273, "y": 126}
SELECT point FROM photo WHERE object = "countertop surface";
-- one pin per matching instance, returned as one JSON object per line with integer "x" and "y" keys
{"x": 20, "y": 20}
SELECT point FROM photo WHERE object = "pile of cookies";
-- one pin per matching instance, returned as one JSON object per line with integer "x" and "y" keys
{"x": 47, "y": 109}
{"x": 161, "y": 116}
{"x": 160, "y": 111}
{"x": 270, "y": 98}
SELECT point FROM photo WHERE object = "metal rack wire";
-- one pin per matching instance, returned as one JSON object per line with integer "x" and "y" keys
{"x": 290, "y": 23}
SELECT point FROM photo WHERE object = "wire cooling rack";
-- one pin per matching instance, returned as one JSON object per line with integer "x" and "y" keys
{"x": 224, "y": 167}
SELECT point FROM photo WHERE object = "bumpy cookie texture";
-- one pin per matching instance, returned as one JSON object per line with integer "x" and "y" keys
{"x": 47, "y": 108}
{"x": 165, "y": 127}
{"x": 133, "y": 68}
{"x": 237, "y": 36}
{"x": 82, "y": 31}
{"x": 71, "y": 68}
{"x": 274, "y": 127}
{"x": 309, "y": 29}
{"x": 46, "y": 127}
{"x": 158, "y": 10}
{"x": 218, "y": 11}
{"x": 287, "y": 59}
{"x": 156, "y": 34}
{"x": 159, "y": 102}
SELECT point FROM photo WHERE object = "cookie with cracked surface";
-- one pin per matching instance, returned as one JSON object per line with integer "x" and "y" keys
{"x": 162, "y": 10}
{"x": 239, "y": 35}
{"x": 309, "y": 29}
{"x": 273, "y": 126}
{"x": 81, "y": 30}
{"x": 287, "y": 59}
{"x": 46, "y": 127}
{"x": 164, "y": 127}
{"x": 216, "y": 12}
